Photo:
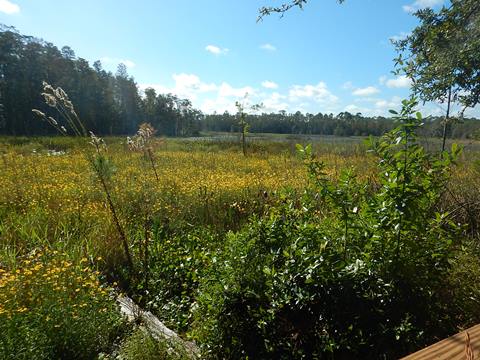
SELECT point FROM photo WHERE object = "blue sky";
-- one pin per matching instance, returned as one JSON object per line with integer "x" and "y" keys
{"x": 326, "y": 58}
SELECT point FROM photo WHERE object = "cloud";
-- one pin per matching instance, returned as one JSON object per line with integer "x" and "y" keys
{"x": 402, "y": 36}
{"x": 354, "y": 109}
{"x": 226, "y": 90}
{"x": 115, "y": 61}
{"x": 356, "y": 91}
{"x": 208, "y": 97}
{"x": 275, "y": 103}
{"x": 393, "y": 103}
{"x": 398, "y": 82}
{"x": 220, "y": 97}
{"x": 8, "y": 7}
{"x": 367, "y": 91}
{"x": 269, "y": 84}
{"x": 422, "y": 4}
{"x": 268, "y": 47}
{"x": 216, "y": 50}
{"x": 318, "y": 93}
{"x": 378, "y": 107}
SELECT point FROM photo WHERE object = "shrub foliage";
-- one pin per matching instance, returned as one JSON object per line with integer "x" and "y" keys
{"x": 365, "y": 281}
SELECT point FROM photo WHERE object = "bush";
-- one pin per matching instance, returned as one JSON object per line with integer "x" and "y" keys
{"x": 365, "y": 281}
{"x": 142, "y": 346}
{"x": 176, "y": 264}
{"x": 53, "y": 309}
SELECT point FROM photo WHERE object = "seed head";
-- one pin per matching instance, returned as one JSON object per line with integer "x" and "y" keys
{"x": 39, "y": 113}
{"x": 50, "y": 99}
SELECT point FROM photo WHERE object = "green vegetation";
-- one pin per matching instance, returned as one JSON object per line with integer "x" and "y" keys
{"x": 366, "y": 258}
{"x": 328, "y": 249}
{"x": 365, "y": 279}
{"x": 52, "y": 308}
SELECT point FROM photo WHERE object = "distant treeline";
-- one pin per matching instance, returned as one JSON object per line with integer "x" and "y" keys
{"x": 112, "y": 104}
{"x": 343, "y": 124}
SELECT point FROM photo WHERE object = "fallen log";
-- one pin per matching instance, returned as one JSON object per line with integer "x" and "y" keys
{"x": 154, "y": 326}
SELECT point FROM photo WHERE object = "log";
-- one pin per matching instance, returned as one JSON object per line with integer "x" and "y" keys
{"x": 154, "y": 326}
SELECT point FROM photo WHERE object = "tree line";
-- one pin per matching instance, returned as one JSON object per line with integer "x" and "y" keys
{"x": 112, "y": 104}
{"x": 342, "y": 124}
{"x": 107, "y": 103}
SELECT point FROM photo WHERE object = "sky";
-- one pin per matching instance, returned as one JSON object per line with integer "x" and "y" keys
{"x": 325, "y": 58}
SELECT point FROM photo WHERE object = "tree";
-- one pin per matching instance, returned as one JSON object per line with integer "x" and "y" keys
{"x": 242, "y": 116}
{"x": 282, "y": 9}
{"x": 442, "y": 56}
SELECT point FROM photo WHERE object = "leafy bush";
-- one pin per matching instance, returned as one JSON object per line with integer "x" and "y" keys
{"x": 142, "y": 346}
{"x": 53, "y": 309}
{"x": 177, "y": 263}
{"x": 366, "y": 280}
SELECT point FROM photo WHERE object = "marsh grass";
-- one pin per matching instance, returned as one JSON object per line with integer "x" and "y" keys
{"x": 177, "y": 203}
{"x": 99, "y": 162}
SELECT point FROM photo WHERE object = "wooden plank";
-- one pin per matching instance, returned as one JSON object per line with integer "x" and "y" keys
{"x": 452, "y": 348}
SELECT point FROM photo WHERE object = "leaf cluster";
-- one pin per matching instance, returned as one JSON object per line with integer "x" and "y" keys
{"x": 442, "y": 54}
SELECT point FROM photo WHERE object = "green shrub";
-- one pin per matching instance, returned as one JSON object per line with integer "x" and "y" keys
{"x": 53, "y": 309}
{"x": 176, "y": 264}
{"x": 142, "y": 346}
{"x": 364, "y": 281}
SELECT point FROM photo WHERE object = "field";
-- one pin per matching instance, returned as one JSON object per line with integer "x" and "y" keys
{"x": 190, "y": 205}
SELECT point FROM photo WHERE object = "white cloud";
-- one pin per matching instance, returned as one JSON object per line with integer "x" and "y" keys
{"x": 422, "y": 4}
{"x": 186, "y": 83}
{"x": 394, "y": 103}
{"x": 220, "y": 97}
{"x": 128, "y": 63}
{"x": 402, "y": 36}
{"x": 269, "y": 84}
{"x": 208, "y": 97}
{"x": 226, "y": 90}
{"x": 8, "y": 7}
{"x": 216, "y": 50}
{"x": 268, "y": 47}
{"x": 115, "y": 61}
{"x": 274, "y": 103}
{"x": 378, "y": 107}
{"x": 398, "y": 82}
{"x": 354, "y": 109}
{"x": 318, "y": 93}
{"x": 366, "y": 91}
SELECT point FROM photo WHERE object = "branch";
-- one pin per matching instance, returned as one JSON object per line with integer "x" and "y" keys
{"x": 282, "y": 9}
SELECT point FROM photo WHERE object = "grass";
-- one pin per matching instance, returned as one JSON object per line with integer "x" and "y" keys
{"x": 50, "y": 201}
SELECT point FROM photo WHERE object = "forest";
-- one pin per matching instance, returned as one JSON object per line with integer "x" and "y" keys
{"x": 112, "y": 104}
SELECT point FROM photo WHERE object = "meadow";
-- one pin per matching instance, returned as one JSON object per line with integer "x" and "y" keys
{"x": 223, "y": 245}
